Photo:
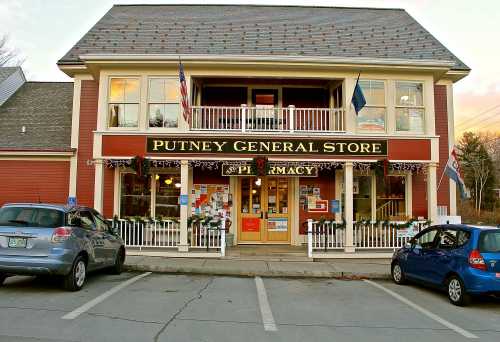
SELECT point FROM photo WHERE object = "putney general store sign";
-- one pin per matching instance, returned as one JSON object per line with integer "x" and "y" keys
{"x": 340, "y": 147}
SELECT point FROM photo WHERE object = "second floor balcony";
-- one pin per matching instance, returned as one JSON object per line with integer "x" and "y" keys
{"x": 267, "y": 105}
{"x": 267, "y": 119}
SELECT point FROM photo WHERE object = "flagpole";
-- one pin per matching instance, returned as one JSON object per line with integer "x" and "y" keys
{"x": 357, "y": 80}
{"x": 444, "y": 169}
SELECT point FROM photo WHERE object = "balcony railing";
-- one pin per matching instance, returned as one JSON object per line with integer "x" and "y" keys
{"x": 257, "y": 119}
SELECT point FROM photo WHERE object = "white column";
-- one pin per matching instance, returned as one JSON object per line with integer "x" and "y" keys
{"x": 432, "y": 193}
{"x": 183, "y": 243}
{"x": 98, "y": 185}
{"x": 350, "y": 114}
{"x": 348, "y": 207}
{"x": 451, "y": 142}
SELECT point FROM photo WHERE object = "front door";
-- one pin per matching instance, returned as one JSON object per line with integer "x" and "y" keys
{"x": 264, "y": 215}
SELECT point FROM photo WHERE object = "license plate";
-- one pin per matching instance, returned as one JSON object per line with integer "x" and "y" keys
{"x": 17, "y": 242}
{"x": 498, "y": 275}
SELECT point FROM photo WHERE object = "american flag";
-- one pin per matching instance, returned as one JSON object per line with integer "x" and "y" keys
{"x": 186, "y": 109}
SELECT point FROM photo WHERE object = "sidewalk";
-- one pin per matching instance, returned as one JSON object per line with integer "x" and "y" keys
{"x": 247, "y": 267}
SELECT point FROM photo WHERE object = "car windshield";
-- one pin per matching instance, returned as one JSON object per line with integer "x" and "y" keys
{"x": 489, "y": 241}
{"x": 31, "y": 217}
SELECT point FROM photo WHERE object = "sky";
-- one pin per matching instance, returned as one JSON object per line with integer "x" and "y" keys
{"x": 44, "y": 30}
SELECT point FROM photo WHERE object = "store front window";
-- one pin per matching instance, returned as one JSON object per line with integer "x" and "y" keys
{"x": 391, "y": 198}
{"x": 167, "y": 193}
{"x": 362, "y": 199}
{"x": 135, "y": 196}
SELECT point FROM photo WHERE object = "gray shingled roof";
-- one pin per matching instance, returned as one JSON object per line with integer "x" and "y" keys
{"x": 261, "y": 30}
{"x": 5, "y": 72}
{"x": 45, "y": 109}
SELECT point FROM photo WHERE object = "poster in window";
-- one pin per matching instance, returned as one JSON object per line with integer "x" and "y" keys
{"x": 277, "y": 224}
{"x": 250, "y": 225}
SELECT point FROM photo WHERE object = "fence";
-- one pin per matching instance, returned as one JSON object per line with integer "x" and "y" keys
{"x": 166, "y": 234}
{"x": 373, "y": 236}
{"x": 272, "y": 119}
{"x": 366, "y": 235}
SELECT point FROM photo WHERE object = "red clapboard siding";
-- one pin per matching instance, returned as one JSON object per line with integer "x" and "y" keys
{"x": 441, "y": 110}
{"x": 88, "y": 123}
{"x": 34, "y": 181}
{"x": 108, "y": 200}
{"x": 419, "y": 196}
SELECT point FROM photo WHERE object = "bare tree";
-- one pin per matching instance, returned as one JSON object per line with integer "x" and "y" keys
{"x": 8, "y": 56}
{"x": 481, "y": 173}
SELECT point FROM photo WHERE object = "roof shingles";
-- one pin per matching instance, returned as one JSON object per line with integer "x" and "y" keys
{"x": 45, "y": 109}
{"x": 261, "y": 30}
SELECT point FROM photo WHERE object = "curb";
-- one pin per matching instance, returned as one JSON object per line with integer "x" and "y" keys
{"x": 261, "y": 273}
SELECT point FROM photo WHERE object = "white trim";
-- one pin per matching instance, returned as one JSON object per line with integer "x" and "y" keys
{"x": 229, "y": 134}
{"x": 451, "y": 143}
{"x": 75, "y": 129}
{"x": 174, "y": 58}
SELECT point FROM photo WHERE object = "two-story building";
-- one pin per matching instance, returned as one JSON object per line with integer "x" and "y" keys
{"x": 272, "y": 138}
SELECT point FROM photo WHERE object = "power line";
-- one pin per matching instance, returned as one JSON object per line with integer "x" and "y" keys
{"x": 485, "y": 124}
{"x": 477, "y": 116}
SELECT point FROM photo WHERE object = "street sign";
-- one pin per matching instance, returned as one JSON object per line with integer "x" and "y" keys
{"x": 72, "y": 201}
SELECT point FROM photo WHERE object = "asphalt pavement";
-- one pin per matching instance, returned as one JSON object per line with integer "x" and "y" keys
{"x": 163, "y": 307}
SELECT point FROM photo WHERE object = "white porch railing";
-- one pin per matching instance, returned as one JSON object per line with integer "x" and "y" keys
{"x": 366, "y": 236}
{"x": 274, "y": 119}
{"x": 161, "y": 234}
{"x": 326, "y": 236}
{"x": 380, "y": 236}
{"x": 207, "y": 237}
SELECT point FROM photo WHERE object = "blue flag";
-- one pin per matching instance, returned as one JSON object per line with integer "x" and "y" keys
{"x": 358, "y": 99}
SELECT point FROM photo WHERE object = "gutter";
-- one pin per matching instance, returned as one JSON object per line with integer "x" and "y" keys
{"x": 268, "y": 58}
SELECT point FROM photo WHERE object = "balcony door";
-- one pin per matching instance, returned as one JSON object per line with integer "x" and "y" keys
{"x": 264, "y": 215}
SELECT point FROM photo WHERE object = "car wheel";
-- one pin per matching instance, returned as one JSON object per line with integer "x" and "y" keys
{"x": 397, "y": 273}
{"x": 456, "y": 292}
{"x": 119, "y": 261}
{"x": 76, "y": 278}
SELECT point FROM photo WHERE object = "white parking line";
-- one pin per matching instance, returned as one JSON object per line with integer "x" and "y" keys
{"x": 85, "y": 307}
{"x": 265, "y": 309}
{"x": 429, "y": 314}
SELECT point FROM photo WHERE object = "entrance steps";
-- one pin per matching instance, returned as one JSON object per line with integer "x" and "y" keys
{"x": 268, "y": 253}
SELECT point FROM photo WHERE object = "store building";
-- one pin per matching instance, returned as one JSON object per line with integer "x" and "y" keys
{"x": 272, "y": 139}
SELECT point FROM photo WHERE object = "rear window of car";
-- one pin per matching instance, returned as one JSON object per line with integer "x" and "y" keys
{"x": 31, "y": 217}
{"x": 489, "y": 241}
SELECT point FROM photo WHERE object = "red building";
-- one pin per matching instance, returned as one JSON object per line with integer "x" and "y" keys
{"x": 272, "y": 139}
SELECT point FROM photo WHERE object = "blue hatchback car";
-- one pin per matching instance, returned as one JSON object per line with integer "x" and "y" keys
{"x": 47, "y": 239}
{"x": 464, "y": 260}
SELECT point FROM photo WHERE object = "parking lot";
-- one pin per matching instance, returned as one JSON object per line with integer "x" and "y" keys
{"x": 154, "y": 307}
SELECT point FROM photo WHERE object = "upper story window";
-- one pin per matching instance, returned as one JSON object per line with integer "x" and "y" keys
{"x": 410, "y": 109}
{"x": 123, "y": 102}
{"x": 372, "y": 116}
{"x": 163, "y": 102}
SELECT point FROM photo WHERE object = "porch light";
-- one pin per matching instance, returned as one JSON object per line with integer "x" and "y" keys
{"x": 177, "y": 185}
{"x": 254, "y": 191}
{"x": 258, "y": 181}
{"x": 157, "y": 177}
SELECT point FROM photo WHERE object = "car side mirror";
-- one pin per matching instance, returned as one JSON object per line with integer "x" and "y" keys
{"x": 408, "y": 245}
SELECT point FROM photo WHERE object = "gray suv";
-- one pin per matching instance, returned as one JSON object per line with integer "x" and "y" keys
{"x": 46, "y": 239}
